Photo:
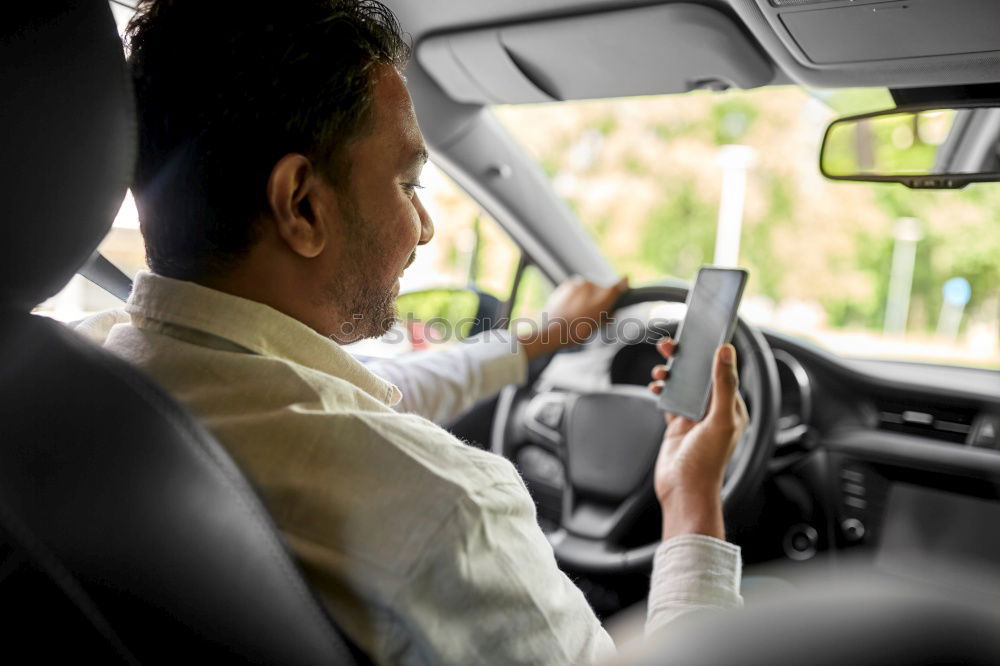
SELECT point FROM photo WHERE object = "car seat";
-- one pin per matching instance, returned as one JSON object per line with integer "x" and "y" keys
{"x": 126, "y": 533}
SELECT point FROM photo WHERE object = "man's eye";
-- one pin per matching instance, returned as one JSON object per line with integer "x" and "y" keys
{"x": 412, "y": 187}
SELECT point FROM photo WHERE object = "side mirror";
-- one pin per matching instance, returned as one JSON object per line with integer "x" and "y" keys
{"x": 449, "y": 314}
{"x": 933, "y": 147}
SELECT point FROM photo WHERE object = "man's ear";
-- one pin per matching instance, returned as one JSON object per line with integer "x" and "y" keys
{"x": 292, "y": 189}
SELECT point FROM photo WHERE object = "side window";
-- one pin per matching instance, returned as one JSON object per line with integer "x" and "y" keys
{"x": 123, "y": 247}
{"x": 469, "y": 248}
{"x": 532, "y": 292}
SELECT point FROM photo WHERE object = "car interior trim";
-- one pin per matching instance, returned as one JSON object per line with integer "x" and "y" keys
{"x": 915, "y": 452}
{"x": 765, "y": 23}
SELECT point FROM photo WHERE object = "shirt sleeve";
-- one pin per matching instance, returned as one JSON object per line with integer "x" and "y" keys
{"x": 489, "y": 591}
{"x": 97, "y": 326}
{"x": 693, "y": 572}
{"x": 440, "y": 385}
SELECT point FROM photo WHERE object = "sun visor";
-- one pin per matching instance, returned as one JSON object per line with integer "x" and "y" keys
{"x": 596, "y": 56}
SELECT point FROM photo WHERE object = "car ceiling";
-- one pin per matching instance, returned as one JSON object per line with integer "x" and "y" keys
{"x": 817, "y": 43}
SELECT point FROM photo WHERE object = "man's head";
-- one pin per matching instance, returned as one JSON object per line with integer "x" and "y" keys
{"x": 267, "y": 134}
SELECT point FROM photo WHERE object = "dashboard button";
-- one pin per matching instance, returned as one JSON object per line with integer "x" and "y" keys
{"x": 987, "y": 432}
{"x": 854, "y": 489}
{"x": 550, "y": 415}
{"x": 852, "y": 475}
{"x": 853, "y": 529}
{"x": 856, "y": 502}
{"x": 800, "y": 542}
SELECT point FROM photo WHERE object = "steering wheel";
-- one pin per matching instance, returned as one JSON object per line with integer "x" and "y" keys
{"x": 608, "y": 440}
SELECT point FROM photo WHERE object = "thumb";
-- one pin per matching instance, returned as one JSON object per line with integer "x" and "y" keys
{"x": 725, "y": 380}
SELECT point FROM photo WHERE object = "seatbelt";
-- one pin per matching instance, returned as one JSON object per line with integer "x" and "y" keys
{"x": 107, "y": 276}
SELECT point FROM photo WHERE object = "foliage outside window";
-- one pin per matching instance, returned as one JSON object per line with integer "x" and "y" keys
{"x": 644, "y": 177}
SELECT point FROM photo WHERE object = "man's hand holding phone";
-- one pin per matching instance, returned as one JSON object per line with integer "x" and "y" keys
{"x": 692, "y": 461}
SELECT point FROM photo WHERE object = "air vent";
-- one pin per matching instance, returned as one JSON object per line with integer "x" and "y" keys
{"x": 947, "y": 423}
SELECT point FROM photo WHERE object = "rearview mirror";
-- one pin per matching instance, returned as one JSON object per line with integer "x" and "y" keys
{"x": 920, "y": 147}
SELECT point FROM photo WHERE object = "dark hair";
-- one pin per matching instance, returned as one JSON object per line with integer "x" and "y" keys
{"x": 223, "y": 90}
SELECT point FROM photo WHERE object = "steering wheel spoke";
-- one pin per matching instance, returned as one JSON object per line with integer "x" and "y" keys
{"x": 598, "y": 519}
{"x": 545, "y": 418}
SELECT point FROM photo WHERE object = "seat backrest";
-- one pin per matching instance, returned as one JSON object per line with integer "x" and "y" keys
{"x": 126, "y": 532}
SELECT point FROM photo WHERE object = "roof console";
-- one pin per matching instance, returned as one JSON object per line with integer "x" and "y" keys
{"x": 896, "y": 43}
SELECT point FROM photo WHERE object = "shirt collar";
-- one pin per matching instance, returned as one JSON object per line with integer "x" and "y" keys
{"x": 251, "y": 325}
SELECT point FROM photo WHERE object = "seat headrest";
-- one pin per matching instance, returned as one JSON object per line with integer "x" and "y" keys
{"x": 67, "y": 142}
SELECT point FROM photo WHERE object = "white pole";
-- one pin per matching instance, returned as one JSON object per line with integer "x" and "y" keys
{"x": 949, "y": 321}
{"x": 735, "y": 160}
{"x": 904, "y": 253}
{"x": 955, "y": 293}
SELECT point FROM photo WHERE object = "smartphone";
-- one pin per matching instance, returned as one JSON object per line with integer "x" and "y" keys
{"x": 709, "y": 323}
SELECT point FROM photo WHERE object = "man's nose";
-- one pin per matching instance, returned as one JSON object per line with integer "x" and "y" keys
{"x": 426, "y": 223}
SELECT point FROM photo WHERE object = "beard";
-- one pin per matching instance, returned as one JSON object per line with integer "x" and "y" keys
{"x": 372, "y": 313}
{"x": 368, "y": 308}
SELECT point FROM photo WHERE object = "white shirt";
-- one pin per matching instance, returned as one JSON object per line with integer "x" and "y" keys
{"x": 424, "y": 549}
{"x": 442, "y": 384}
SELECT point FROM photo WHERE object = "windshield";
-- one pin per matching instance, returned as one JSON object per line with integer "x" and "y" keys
{"x": 666, "y": 184}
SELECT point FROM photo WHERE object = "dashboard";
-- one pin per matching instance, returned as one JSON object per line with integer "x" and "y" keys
{"x": 896, "y": 463}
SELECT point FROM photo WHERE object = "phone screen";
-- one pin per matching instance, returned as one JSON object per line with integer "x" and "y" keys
{"x": 710, "y": 320}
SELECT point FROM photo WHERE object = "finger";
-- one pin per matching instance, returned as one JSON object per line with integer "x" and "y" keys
{"x": 660, "y": 372}
{"x": 621, "y": 285}
{"x": 666, "y": 347}
{"x": 677, "y": 424}
{"x": 725, "y": 381}
{"x": 656, "y": 387}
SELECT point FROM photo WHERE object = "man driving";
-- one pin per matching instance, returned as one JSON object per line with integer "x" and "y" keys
{"x": 277, "y": 187}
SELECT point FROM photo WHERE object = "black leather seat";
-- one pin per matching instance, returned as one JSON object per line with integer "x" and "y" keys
{"x": 126, "y": 533}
